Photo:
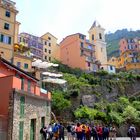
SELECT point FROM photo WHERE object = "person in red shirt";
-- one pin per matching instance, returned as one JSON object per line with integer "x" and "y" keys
{"x": 99, "y": 132}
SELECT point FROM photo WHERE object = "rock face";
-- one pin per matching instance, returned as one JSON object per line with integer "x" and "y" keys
{"x": 102, "y": 92}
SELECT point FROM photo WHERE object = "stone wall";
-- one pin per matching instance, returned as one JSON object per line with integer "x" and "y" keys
{"x": 35, "y": 108}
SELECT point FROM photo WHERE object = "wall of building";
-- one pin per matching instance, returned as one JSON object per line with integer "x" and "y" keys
{"x": 34, "y": 109}
{"x": 23, "y": 60}
{"x": 70, "y": 52}
{"x": 6, "y": 48}
{"x": 5, "y": 89}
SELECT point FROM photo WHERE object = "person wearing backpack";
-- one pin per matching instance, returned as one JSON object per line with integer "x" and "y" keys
{"x": 132, "y": 132}
{"x": 43, "y": 131}
{"x": 56, "y": 131}
{"x": 61, "y": 132}
{"x": 105, "y": 133}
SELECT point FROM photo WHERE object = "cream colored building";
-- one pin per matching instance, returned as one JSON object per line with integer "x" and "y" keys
{"x": 97, "y": 37}
{"x": 50, "y": 47}
{"x": 8, "y": 14}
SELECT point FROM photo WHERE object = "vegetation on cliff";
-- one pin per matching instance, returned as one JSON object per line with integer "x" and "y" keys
{"x": 122, "y": 108}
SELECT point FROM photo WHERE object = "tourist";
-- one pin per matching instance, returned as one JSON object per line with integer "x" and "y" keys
{"x": 78, "y": 131}
{"x": 94, "y": 133}
{"x": 99, "y": 132}
{"x": 61, "y": 132}
{"x": 69, "y": 136}
{"x": 132, "y": 132}
{"x": 55, "y": 131}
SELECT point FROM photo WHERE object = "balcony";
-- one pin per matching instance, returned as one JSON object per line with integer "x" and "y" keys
{"x": 88, "y": 48}
{"x": 90, "y": 59}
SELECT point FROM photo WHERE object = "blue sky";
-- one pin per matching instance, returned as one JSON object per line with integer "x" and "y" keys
{"x": 65, "y": 17}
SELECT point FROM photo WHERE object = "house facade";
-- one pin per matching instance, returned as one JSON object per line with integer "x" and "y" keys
{"x": 8, "y": 22}
{"x": 129, "y": 58}
{"x": 24, "y": 106}
{"x": 50, "y": 47}
{"x": 33, "y": 42}
{"x": 77, "y": 52}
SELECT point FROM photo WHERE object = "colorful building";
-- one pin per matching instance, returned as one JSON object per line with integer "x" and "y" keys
{"x": 33, "y": 42}
{"x": 50, "y": 47}
{"x": 97, "y": 37}
{"x": 24, "y": 106}
{"x": 77, "y": 52}
{"x": 8, "y": 22}
{"x": 129, "y": 54}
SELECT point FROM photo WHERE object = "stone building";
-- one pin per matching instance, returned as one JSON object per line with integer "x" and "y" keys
{"x": 24, "y": 106}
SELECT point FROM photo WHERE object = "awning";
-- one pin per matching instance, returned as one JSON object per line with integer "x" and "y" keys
{"x": 52, "y": 74}
{"x": 55, "y": 80}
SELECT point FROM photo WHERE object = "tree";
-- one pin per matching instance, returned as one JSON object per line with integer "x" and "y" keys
{"x": 85, "y": 112}
{"x": 59, "y": 103}
{"x": 130, "y": 114}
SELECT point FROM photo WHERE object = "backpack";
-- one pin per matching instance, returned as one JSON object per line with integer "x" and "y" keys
{"x": 41, "y": 130}
{"x": 55, "y": 129}
{"x": 129, "y": 133}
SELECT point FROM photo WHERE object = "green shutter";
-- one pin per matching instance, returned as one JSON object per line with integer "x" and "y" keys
{"x": 32, "y": 130}
{"x": 21, "y": 126}
{"x": 22, "y": 104}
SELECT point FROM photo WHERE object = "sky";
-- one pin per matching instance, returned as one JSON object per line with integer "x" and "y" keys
{"x": 65, "y": 17}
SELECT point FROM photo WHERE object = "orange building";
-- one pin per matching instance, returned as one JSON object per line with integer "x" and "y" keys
{"x": 77, "y": 52}
{"x": 24, "y": 106}
{"x": 129, "y": 54}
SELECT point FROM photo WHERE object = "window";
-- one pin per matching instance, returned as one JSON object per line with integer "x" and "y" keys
{"x": 81, "y": 36}
{"x": 45, "y": 50}
{"x": 49, "y": 51}
{"x": 45, "y": 57}
{"x": 100, "y": 36}
{"x": 5, "y": 39}
{"x": 50, "y": 44}
{"x": 18, "y": 64}
{"x": 48, "y": 107}
{"x": 101, "y": 49}
{"x": 49, "y": 38}
{"x": 45, "y": 42}
{"x": 22, "y": 83}
{"x": 49, "y": 58}
{"x": 25, "y": 66}
{"x": 88, "y": 64}
{"x": 6, "y": 26}
{"x": 92, "y": 37}
{"x": 7, "y": 14}
{"x": 82, "y": 44}
{"x": 111, "y": 68}
{"x": 21, "y": 128}
{"x": 29, "y": 86}
{"x": 22, "y": 104}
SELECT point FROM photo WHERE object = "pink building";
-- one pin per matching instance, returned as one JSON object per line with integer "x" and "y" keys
{"x": 24, "y": 106}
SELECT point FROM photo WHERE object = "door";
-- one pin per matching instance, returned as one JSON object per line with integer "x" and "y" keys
{"x": 33, "y": 129}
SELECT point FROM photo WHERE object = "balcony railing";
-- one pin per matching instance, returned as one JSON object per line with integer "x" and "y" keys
{"x": 88, "y": 48}
{"x": 89, "y": 59}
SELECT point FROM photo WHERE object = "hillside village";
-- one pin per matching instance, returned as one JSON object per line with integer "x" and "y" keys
{"x": 39, "y": 76}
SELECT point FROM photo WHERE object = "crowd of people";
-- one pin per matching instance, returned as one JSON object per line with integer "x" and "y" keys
{"x": 82, "y": 131}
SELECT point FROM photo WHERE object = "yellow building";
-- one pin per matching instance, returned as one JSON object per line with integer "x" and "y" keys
{"x": 97, "y": 37}
{"x": 50, "y": 47}
{"x": 8, "y": 14}
{"x": 22, "y": 58}
{"x": 113, "y": 61}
